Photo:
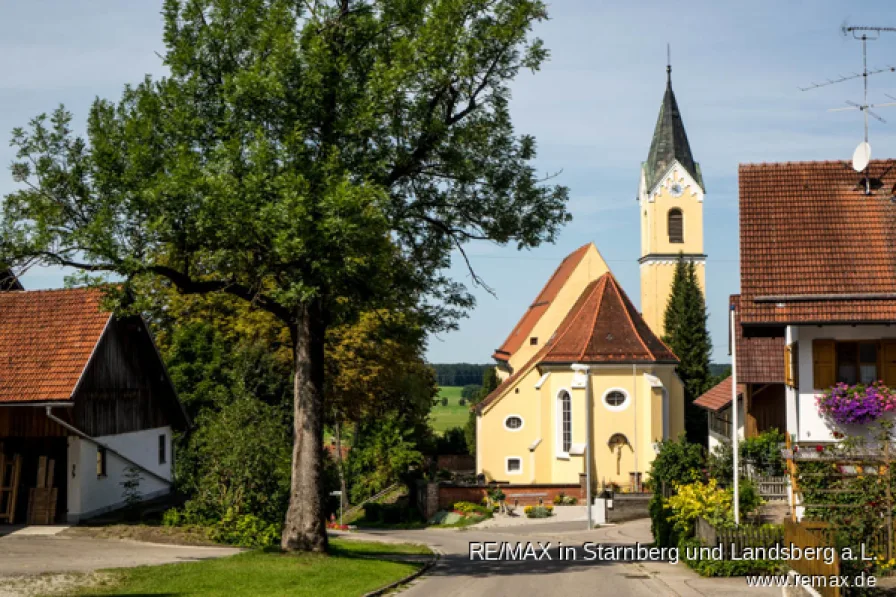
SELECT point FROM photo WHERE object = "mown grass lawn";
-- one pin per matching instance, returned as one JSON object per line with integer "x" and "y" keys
{"x": 453, "y": 415}
{"x": 348, "y": 570}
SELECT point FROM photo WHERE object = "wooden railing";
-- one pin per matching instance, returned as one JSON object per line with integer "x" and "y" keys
{"x": 771, "y": 488}
{"x": 808, "y": 535}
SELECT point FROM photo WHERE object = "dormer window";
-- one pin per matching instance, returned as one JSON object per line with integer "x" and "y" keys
{"x": 533, "y": 341}
{"x": 676, "y": 226}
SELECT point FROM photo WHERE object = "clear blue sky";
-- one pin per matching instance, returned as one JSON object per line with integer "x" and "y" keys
{"x": 736, "y": 69}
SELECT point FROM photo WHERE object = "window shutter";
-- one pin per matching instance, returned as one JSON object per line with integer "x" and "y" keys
{"x": 788, "y": 366}
{"x": 795, "y": 364}
{"x": 823, "y": 365}
{"x": 888, "y": 362}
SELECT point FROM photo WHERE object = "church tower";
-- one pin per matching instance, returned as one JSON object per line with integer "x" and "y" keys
{"x": 670, "y": 201}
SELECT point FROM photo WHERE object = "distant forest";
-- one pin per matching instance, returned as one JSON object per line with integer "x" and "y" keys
{"x": 460, "y": 374}
{"x": 467, "y": 374}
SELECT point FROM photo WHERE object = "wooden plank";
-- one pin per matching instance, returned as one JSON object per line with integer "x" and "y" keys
{"x": 41, "y": 472}
{"x": 14, "y": 494}
{"x": 51, "y": 469}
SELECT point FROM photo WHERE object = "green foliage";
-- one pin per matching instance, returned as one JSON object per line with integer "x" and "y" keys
{"x": 686, "y": 334}
{"x": 313, "y": 163}
{"x": 452, "y": 442}
{"x": 239, "y": 462}
{"x": 489, "y": 384}
{"x": 725, "y": 568}
{"x": 700, "y": 500}
{"x": 470, "y": 391}
{"x": 764, "y": 452}
{"x": 460, "y": 374}
{"x": 677, "y": 463}
{"x": 540, "y": 511}
{"x": 245, "y": 530}
{"x": 384, "y": 451}
{"x": 471, "y": 508}
{"x": 749, "y": 499}
{"x": 720, "y": 464}
{"x": 388, "y": 513}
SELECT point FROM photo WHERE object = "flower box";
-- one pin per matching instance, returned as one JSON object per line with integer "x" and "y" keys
{"x": 858, "y": 404}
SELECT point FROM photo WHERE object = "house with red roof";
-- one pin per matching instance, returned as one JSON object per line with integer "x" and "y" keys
{"x": 817, "y": 305}
{"x": 88, "y": 391}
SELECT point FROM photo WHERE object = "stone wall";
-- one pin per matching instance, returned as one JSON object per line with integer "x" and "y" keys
{"x": 629, "y": 507}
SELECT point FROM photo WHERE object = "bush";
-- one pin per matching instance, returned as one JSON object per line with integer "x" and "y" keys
{"x": 462, "y": 402}
{"x": 677, "y": 463}
{"x": 470, "y": 508}
{"x": 700, "y": 500}
{"x": 245, "y": 530}
{"x": 444, "y": 402}
{"x": 538, "y": 511}
{"x": 663, "y": 531}
{"x": 387, "y": 513}
{"x": 469, "y": 392}
{"x": 452, "y": 442}
{"x": 725, "y": 568}
{"x": 749, "y": 499}
{"x": 562, "y": 499}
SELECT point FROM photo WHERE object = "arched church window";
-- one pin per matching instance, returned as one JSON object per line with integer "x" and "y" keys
{"x": 564, "y": 433}
{"x": 676, "y": 226}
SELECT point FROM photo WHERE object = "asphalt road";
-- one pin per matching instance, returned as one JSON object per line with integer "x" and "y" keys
{"x": 457, "y": 575}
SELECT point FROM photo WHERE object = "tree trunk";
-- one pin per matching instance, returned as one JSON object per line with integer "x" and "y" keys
{"x": 304, "y": 529}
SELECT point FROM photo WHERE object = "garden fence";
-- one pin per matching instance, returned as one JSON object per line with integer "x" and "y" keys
{"x": 734, "y": 540}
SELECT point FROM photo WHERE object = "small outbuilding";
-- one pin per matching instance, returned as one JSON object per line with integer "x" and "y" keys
{"x": 85, "y": 403}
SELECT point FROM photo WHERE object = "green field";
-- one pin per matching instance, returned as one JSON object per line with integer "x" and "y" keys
{"x": 453, "y": 415}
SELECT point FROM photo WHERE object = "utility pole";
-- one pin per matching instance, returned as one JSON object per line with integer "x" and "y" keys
{"x": 734, "y": 417}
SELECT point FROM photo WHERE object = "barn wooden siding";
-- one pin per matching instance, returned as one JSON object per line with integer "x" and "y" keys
{"x": 124, "y": 389}
{"x": 26, "y": 421}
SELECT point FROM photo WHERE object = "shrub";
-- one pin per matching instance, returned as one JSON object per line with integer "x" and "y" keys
{"x": 538, "y": 511}
{"x": 700, "y": 500}
{"x": 677, "y": 463}
{"x": 469, "y": 392}
{"x": 462, "y": 402}
{"x": 469, "y": 508}
{"x": 749, "y": 499}
{"x": 245, "y": 530}
{"x": 444, "y": 402}
{"x": 712, "y": 567}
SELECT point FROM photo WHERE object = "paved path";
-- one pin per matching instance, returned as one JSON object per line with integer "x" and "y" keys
{"x": 457, "y": 575}
{"x": 39, "y": 554}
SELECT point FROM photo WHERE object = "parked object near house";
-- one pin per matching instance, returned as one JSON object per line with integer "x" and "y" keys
{"x": 88, "y": 392}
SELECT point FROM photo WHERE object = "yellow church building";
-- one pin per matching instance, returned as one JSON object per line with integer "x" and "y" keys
{"x": 582, "y": 357}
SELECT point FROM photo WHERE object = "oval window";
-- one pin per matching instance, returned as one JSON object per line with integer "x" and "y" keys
{"x": 513, "y": 423}
{"x": 615, "y": 399}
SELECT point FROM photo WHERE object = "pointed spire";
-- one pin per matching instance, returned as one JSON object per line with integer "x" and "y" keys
{"x": 670, "y": 141}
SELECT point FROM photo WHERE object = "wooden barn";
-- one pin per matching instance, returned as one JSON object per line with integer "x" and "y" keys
{"x": 85, "y": 402}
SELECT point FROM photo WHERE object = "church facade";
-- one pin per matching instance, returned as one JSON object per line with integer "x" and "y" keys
{"x": 583, "y": 365}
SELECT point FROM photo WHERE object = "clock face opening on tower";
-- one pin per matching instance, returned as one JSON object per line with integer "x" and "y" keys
{"x": 676, "y": 190}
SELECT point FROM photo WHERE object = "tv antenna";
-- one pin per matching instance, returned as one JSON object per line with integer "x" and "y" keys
{"x": 862, "y": 155}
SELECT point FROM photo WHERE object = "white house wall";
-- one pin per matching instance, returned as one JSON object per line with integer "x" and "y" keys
{"x": 803, "y": 418}
{"x": 89, "y": 495}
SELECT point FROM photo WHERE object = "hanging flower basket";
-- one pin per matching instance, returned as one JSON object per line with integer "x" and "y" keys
{"x": 858, "y": 404}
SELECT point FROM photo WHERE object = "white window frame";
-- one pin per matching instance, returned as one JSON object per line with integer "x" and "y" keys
{"x": 511, "y": 429}
{"x": 558, "y": 444}
{"x": 621, "y": 407}
{"x": 507, "y": 470}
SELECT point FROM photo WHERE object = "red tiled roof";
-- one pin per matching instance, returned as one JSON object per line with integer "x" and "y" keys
{"x": 760, "y": 359}
{"x": 605, "y": 327}
{"x": 46, "y": 339}
{"x": 811, "y": 240}
{"x": 602, "y": 327}
{"x": 719, "y": 396}
{"x": 544, "y": 299}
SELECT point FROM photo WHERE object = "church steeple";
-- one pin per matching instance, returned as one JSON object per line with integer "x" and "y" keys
{"x": 670, "y": 141}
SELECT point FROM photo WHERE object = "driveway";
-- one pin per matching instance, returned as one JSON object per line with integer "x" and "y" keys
{"x": 456, "y": 575}
{"x": 25, "y": 555}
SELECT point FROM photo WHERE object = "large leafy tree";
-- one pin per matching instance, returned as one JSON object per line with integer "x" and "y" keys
{"x": 310, "y": 158}
{"x": 687, "y": 336}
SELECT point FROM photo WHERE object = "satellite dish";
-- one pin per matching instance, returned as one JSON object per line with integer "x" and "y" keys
{"x": 861, "y": 156}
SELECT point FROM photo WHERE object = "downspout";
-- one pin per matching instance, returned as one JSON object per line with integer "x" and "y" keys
{"x": 109, "y": 449}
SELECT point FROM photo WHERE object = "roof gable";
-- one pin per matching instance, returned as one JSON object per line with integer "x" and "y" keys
{"x": 717, "y": 397}
{"x": 46, "y": 340}
{"x": 814, "y": 247}
{"x": 602, "y": 328}
{"x": 669, "y": 143}
{"x": 540, "y": 305}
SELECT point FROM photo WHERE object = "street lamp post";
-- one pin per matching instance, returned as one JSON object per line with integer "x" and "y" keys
{"x": 588, "y": 498}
